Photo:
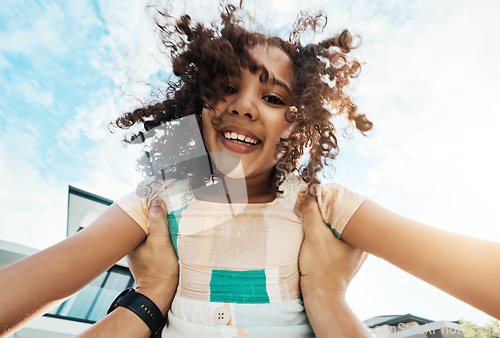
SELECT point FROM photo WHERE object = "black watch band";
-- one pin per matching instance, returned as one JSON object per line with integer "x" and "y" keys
{"x": 142, "y": 306}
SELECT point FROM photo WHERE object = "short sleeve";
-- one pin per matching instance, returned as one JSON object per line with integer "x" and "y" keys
{"x": 137, "y": 207}
{"x": 337, "y": 205}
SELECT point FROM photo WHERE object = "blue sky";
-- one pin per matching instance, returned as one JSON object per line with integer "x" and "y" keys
{"x": 429, "y": 82}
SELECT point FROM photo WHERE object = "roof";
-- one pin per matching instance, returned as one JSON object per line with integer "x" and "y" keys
{"x": 394, "y": 320}
{"x": 90, "y": 196}
{"x": 83, "y": 208}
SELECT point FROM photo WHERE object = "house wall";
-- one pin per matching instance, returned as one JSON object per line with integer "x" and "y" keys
{"x": 46, "y": 327}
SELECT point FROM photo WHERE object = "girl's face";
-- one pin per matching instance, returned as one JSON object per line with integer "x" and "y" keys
{"x": 252, "y": 117}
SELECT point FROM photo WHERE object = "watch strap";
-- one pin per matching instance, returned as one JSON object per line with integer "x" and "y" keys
{"x": 143, "y": 307}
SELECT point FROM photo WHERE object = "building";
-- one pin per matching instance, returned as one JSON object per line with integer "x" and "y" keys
{"x": 408, "y": 325}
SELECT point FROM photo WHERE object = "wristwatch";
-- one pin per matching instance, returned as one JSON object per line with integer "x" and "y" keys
{"x": 142, "y": 306}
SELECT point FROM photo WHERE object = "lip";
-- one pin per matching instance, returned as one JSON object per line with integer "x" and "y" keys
{"x": 238, "y": 148}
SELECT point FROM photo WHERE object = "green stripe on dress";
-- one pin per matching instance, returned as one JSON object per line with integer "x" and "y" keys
{"x": 174, "y": 219}
{"x": 335, "y": 232}
{"x": 248, "y": 287}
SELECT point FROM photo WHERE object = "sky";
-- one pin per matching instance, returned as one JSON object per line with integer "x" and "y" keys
{"x": 430, "y": 81}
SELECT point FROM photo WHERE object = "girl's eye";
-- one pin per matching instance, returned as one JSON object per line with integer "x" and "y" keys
{"x": 230, "y": 89}
{"x": 274, "y": 99}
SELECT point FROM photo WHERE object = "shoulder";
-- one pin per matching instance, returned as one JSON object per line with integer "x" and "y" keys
{"x": 338, "y": 194}
{"x": 337, "y": 205}
{"x": 136, "y": 204}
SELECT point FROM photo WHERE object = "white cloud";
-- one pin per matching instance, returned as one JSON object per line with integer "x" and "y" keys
{"x": 41, "y": 29}
{"x": 56, "y": 28}
{"x": 31, "y": 91}
{"x": 91, "y": 121}
{"x": 4, "y": 63}
{"x": 428, "y": 85}
{"x": 33, "y": 202}
{"x": 106, "y": 170}
{"x": 129, "y": 54}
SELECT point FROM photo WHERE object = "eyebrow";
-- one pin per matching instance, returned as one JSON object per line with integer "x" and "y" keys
{"x": 283, "y": 85}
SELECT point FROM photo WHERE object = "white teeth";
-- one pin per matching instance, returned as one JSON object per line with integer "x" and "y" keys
{"x": 234, "y": 136}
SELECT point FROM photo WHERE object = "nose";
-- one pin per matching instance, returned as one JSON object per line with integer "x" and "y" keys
{"x": 244, "y": 107}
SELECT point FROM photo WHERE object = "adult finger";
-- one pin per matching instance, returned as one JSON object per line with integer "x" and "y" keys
{"x": 313, "y": 222}
{"x": 157, "y": 218}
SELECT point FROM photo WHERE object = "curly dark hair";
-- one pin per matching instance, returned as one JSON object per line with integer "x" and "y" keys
{"x": 203, "y": 58}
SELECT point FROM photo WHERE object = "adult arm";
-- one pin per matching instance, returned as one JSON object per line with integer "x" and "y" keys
{"x": 155, "y": 268}
{"x": 36, "y": 283}
{"x": 327, "y": 265}
{"x": 455, "y": 263}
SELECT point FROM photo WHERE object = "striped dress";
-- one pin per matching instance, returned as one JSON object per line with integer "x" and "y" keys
{"x": 239, "y": 272}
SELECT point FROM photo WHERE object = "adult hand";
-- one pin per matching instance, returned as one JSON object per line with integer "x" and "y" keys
{"x": 154, "y": 263}
{"x": 155, "y": 268}
{"x": 327, "y": 266}
{"x": 325, "y": 261}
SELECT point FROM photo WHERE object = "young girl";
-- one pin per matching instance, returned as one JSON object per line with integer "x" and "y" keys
{"x": 260, "y": 102}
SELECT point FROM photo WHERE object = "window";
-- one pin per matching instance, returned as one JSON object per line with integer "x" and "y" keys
{"x": 92, "y": 302}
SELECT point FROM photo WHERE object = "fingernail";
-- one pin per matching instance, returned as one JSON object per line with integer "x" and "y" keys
{"x": 156, "y": 202}
{"x": 315, "y": 189}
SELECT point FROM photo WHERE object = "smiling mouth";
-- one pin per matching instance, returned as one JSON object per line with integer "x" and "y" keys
{"x": 238, "y": 143}
{"x": 240, "y": 139}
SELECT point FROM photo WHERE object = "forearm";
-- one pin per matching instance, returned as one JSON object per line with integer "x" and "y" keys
{"x": 455, "y": 263}
{"x": 122, "y": 322}
{"x": 330, "y": 315}
{"x": 36, "y": 282}
{"x": 27, "y": 285}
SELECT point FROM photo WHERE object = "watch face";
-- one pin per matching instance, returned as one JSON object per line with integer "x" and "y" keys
{"x": 114, "y": 305}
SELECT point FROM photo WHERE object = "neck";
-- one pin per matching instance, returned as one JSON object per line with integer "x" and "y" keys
{"x": 239, "y": 190}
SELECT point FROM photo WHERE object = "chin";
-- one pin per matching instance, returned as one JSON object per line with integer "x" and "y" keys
{"x": 228, "y": 164}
